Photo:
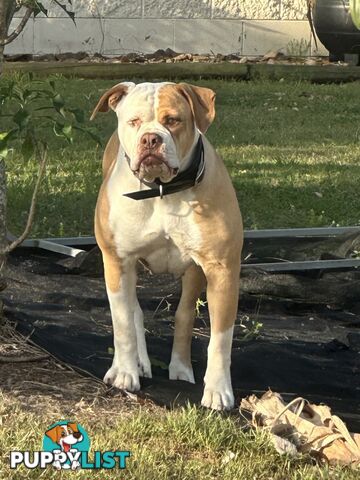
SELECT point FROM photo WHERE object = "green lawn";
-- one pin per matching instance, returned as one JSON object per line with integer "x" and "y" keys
{"x": 182, "y": 444}
{"x": 293, "y": 150}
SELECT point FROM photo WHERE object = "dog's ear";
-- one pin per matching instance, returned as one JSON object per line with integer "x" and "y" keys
{"x": 53, "y": 433}
{"x": 73, "y": 427}
{"x": 202, "y": 103}
{"x": 111, "y": 98}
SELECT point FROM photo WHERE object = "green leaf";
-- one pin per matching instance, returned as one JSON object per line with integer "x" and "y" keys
{"x": 155, "y": 362}
{"x": 21, "y": 118}
{"x": 63, "y": 130}
{"x": 68, "y": 12}
{"x": 58, "y": 104}
{"x": 3, "y": 135}
{"x": 39, "y": 8}
{"x": 355, "y": 12}
{"x": 57, "y": 129}
{"x": 3, "y": 152}
{"x": 91, "y": 134}
{"x": 6, "y": 136}
{"x": 27, "y": 147}
{"x": 79, "y": 114}
{"x": 67, "y": 131}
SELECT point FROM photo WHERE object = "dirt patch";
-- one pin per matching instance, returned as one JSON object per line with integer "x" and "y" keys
{"x": 293, "y": 347}
{"x": 39, "y": 382}
{"x": 170, "y": 56}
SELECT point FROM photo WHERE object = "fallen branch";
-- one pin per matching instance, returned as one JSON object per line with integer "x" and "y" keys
{"x": 15, "y": 243}
{"x": 14, "y": 359}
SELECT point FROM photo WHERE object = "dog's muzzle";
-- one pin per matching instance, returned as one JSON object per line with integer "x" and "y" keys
{"x": 151, "y": 161}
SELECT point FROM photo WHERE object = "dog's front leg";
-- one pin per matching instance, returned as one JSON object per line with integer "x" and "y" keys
{"x": 222, "y": 296}
{"x": 120, "y": 278}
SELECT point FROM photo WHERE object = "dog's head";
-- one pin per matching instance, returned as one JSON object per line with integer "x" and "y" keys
{"x": 159, "y": 124}
{"x": 65, "y": 435}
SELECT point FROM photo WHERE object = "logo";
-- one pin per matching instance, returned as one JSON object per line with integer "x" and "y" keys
{"x": 66, "y": 446}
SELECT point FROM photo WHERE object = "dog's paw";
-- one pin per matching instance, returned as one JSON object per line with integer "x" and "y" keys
{"x": 124, "y": 380}
{"x": 217, "y": 400}
{"x": 145, "y": 367}
{"x": 75, "y": 465}
{"x": 179, "y": 371}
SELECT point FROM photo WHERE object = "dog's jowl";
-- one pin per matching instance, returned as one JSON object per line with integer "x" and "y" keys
{"x": 166, "y": 198}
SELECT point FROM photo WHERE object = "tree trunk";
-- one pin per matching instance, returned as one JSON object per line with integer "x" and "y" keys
{"x": 7, "y": 10}
{"x": 3, "y": 231}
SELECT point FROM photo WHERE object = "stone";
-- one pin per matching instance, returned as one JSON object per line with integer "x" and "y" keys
{"x": 70, "y": 56}
{"x": 272, "y": 55}
{"x": 183, "y": 57}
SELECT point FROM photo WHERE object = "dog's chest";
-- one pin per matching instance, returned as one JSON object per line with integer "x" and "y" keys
{"x": 162, "y": 232}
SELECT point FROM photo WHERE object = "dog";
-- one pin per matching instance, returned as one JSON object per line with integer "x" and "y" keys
{"x": 168, "y": 201}
{"x": 66, "y": 436}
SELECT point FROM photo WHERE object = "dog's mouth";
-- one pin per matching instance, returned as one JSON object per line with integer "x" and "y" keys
{"x": 66, "y": 447}
{"x": 153, "y": 166}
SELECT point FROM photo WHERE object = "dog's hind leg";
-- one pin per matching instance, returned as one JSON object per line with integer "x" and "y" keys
{"x": 193, "y": 283}
{"x": 144, "y": 362}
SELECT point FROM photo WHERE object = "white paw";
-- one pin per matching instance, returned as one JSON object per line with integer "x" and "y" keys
{"x": 180, "y": 371}
{"x": 125, "y": 380}
{"x": 218, "y": 400}
{"x": 75, "y": 465}
{"x": 145, "y": 367}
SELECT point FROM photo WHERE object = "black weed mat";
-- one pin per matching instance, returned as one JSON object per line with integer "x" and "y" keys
{"x": 305, "y": 347}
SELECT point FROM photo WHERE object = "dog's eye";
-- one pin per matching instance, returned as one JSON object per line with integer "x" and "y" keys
{"x": 63, "y": 434}
{"x": 134, "y": 122}
{"x": 171, "y": 121}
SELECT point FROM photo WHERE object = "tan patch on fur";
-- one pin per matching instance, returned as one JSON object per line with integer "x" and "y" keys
{"x": 219, "y": 220}
{"x": 103, "y": 233}
{"x": 110, "y": 154}
{"x": 193, "y": 283}
{"x": 202, "y": 103}
{"x": 110, "y": 99}
{"x": 172, "y": 104}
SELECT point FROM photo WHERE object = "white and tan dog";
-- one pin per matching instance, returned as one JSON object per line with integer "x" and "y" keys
{"x": 195, "y": 233}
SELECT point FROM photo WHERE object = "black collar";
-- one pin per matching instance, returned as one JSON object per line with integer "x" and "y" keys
{"x": 191, "y": 176}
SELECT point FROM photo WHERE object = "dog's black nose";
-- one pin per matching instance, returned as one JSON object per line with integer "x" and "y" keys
{"x": 77, "y": 434}
{"x": 150, "y": 140}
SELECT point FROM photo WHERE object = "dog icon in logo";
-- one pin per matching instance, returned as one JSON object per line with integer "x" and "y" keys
{"x": 66, "y": 436}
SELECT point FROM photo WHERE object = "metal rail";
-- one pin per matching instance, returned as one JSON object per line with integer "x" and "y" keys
{"x": 248, "y": 234}
{"x": 64, "y": 245}
{"x": 347, "y": 263}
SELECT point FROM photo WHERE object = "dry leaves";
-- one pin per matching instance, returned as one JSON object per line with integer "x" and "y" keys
{"x": 302, "y": 427}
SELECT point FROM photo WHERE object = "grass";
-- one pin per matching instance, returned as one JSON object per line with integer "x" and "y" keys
{"x": 188, "y": 443}
{"x": 292, "y": 149}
